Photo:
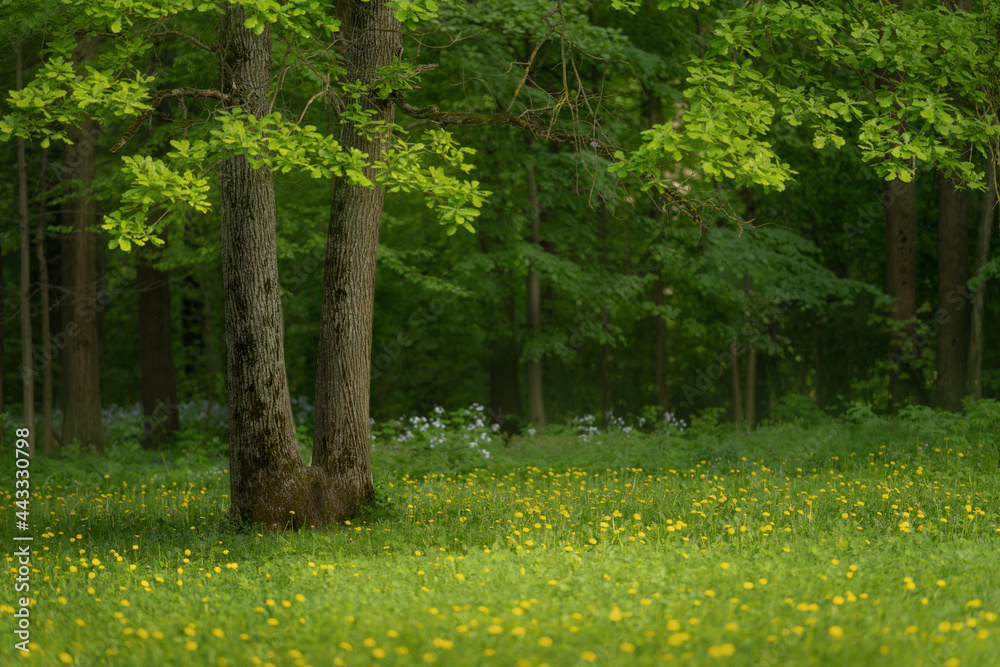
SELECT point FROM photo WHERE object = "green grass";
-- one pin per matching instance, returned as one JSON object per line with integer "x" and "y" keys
{"x": 834, "y": 545}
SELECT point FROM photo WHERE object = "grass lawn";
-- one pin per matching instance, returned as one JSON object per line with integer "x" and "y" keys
{"x": 840, "y": 544}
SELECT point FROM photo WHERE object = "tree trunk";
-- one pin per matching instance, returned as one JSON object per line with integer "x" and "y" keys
{"x": 986, "y": 218}
{"x": 194, "y": 342}
{"x": 818, "y": 369}
{"x": 533, "y": 367}
{"x": 268, "y": 484}
{"x": 659, "y": 346}
{"x": 3, "y": 339}
{"x": 749, "y": 413}
{"x": 605, "y": 383}
{"x": 27, "y": 371}
{"x": 342, "y": 448}
{"x": 953, "y": 297}
{"x": 905, "y": 385}
{"x": 210, "y": 349}
{"x": 654, "y": 113}
{"x": 157, "y": 379}
{"x": 505, "y": 393}
{"x": 48, "y": 442}
{"x": 734, "y": 373}
{"x": 81, "y": 357}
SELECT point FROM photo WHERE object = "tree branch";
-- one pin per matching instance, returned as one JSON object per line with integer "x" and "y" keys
{"x": 467, "y": 119}
{"x": 158, "y": 98}
{"x": 191, "y": 38}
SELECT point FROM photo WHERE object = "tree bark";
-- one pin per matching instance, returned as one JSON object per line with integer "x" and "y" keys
{"x": 654, "y": 112}
{"x": 953, "y": 297}
{"x": 533, "y": 367}
{"x": 751, "y": 390}
{"x": 734, "y": 374}
{"x": 605, "y": 383}
{"x": 27, "y": 370}
{"x": 268, "y": 481}
{"x": 602, "y": 253}
{"x": 3, "y": 339}
{"x": 983, "y": 239}
{"x": 751, "y": 411}
{"x": 901, "y": 284}
{"x": 659, "y": 346}
{"x": 342, "y": 448}
{"x": 48, "y": 442}
{"x": 82, "y": 360}
{"x": 157, "y": 378}
{"x": 505, "y": 392}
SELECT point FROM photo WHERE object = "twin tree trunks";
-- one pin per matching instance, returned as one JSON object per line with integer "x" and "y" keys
{"x": 270, "y": 484}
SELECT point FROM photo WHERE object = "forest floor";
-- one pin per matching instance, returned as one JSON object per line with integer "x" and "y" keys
{"x": 835, "y": 544}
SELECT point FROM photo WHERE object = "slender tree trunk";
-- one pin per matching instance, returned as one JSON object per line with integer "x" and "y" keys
{"x": 602, "y": 240}
{"x": 193, "y": 339}
{"x": 268, "y": 484}
{"x": 27, "y": 371}
{"x": 157, "y": 379}
{"x": 3, "y": 339}
{"x": 654, "y": 113}
{"x": 817, "y": 371}
{"x": 750, "y": 412}
{"x": 81, "y": 357}
{"x": 901, "y": 284}
{"x": 953, "y": 297}
{"x": 659, "y": 346}
{"x": 533, "y": 367}
{"x": 605, "y": 383}
{"x": 342, "y": 447}
{"x": 734, "y": 372}
{"x": 48, "y": 443}
{"x": 211, "y": 351}
{"x": 505, "y": 393}
{"x": 751, "y": 386}
{"x": 986, "y": 219}
{"x": 100, "y": 293}
{"x": 61, "y": 313}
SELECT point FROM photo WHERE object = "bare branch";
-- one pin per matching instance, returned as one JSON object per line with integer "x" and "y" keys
{"x": 312, "y": 99}
{"x": 505, "y": 118}
{"x": 158, "y": 98}
{"x": 191, "y": 38}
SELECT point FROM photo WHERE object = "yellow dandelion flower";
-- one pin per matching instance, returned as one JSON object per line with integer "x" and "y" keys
{"x": 723, "y": 651}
